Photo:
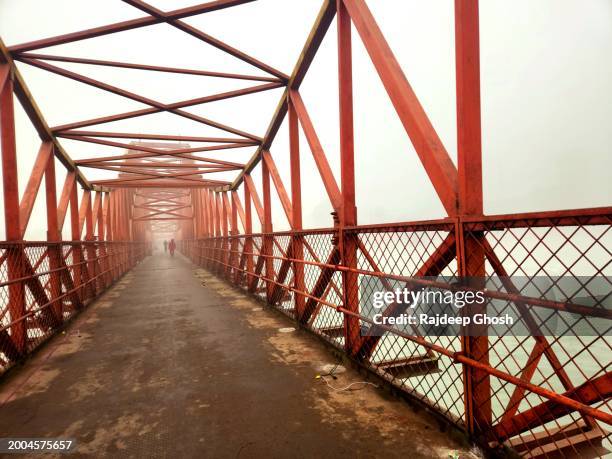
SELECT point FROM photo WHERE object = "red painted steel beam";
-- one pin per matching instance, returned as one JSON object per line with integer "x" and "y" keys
{"x": 167, "y": 219}
{"x": 167, "y": 208}
{"x": 101, "y": 211}
{"x": 194, "y": 175}
{"x": 278, "y": 184}
{"x": 189, "y": 176}
{"x": 85, "y": 204}
{"x": 176, "y": 22}
{"x": 91, "y": 82}
{"x": 428, "y": 146}
{"x": 154, "y": 152}
{"x": 329, "y": 181}
{"x": 471, "y": 256}
{"x": 134, "y": 147}
{"x": 469, "y": 145}
{"x": 96, "y": 206}
{"x": 126, "y": 25}
{"x": 314, "y": 40}
{"x": 236, "y": 204}
{"x": 158, "y": 184}
{"x": 34, "y": 114}
{"x": 348, "y": 210}
{"x": 168, "y": 173}
{"x": 175, "y": 105}
{"x": 170, "y": 166}
{"x": 92, "y": 266}
{"x": 297, "y": 245}
{"x": 216, "y": 203}
{"x": 69, "y": 184}
{"x": 267, "y": 244}
{"x": 135, "y": 97}
{"x": 9, "y": 164}
{"x": 45, "y": 153}
{"x": 10, "y": 186}
{"x": 168, "y": 154}
{"x": 154, "y": 68}
{"x": 590, "y": 392}
{"x": 225, "y": 213}
{"x": 5, "y": 72}
{"x": 54, "y": 253}
{"x": 248, "y": 181}
{"x": 248, "y": 242}
{"x": 294, "y": 160}
{"x": 136, "y": 136}
{"x": 154, "y": 214}
{"x": 227, "y": 209}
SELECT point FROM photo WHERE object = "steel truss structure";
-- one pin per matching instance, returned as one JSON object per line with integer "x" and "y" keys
{"x": 538, "y": 395}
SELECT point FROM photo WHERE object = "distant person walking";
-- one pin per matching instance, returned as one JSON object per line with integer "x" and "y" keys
{"x": 165, "y": 246}
{"x": 172, "y": 247}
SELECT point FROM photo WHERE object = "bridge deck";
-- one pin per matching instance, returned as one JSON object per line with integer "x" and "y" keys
{"x": 162, "y": 365}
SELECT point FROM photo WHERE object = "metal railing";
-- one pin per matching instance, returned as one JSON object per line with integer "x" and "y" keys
{"x": 536, "y": 392}
{"x": 43, "y": 285}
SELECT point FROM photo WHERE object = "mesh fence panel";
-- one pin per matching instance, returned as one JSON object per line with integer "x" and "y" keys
{"x": 325, "y": 279}
{"x": 42, "y": 285}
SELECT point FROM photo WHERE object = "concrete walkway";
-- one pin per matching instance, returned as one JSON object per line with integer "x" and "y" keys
{"x": 171, "y": 362}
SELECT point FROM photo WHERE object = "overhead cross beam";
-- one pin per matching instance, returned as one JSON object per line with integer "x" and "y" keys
{"x": 315, "y": 38}
{"x": 181, "y": 13}
{"x": 135, "y": 97}
{"x": 152, "y": 68}
{"x": 8, "y": 71}
{"x": 176, "y": 22}
{"x": 175, "y": 105}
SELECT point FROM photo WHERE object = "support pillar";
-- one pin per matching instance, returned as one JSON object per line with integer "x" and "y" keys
{"x": 53, "y": 236}
{"x": 471, "y": 256}
{"x": 267, "y": 249}
{"x": 348, "y": 211}
{"x": 10, "y": 185}
{"x": 297, "y": 247}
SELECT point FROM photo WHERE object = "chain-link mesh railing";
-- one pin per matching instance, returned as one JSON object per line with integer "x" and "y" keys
{"x": 42, "y": 285}
{"x": 537, "y": 390}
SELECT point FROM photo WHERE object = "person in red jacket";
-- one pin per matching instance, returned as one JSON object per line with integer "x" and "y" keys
{"x": 172, "y": 247}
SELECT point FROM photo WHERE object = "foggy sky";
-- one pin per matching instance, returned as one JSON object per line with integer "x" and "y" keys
{"x": 545, "y": 78}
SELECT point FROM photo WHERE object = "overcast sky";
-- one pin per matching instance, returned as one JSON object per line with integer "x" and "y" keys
{"x": 546, "y": 95}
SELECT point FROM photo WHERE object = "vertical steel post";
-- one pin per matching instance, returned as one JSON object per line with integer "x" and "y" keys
{"x": 197, "y": 212}
{"x": 267, "y": 242}
{"x": 77, "y": 248}
{"x": 100, "y": 263}
{"x": 205, "y": 246}
{"x": 211, "y": 214}
{"x": 233, "y": 259}
{"x": 53, "y": 236}
{"x": 102, "y": 237}
{"x": 211, "y": 227}
{"x": 225, "y": 252}
{"x": 248, "y": 241}
{"x": 218, "y": 255}
{"x": 297, "y": 247}
{"x": 89, "y": 240}
{"x": 348, "y": 211}
{"x": 469, "y": 158}
{"x": 11, "y": 213}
